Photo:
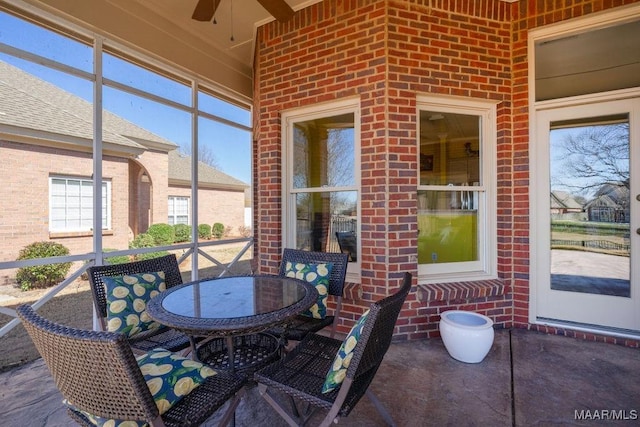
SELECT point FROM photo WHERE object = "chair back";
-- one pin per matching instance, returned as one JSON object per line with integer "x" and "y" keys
{"x": 167, "y": 263}
{"x": 95, "y": 371}
{"x": 338, "y": 272}
{"x": 348, "y": 244}
{"x": 373, "y": 344}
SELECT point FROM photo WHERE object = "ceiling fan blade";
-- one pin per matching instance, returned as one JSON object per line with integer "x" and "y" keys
{"x": 205, "y": 9}
{"x": 279, "y": 9}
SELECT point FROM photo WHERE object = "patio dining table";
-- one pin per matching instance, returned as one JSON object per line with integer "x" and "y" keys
{"x": 232, "y": 312}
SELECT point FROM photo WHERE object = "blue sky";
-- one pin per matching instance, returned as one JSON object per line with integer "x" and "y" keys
{"x": 231, "y": 146}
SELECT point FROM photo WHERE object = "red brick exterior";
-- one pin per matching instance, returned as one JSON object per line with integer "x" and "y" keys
{"x": 387, "y": 53}
{"x": 136, "y": 202}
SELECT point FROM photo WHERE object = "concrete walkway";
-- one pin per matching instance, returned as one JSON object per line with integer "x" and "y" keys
{"x": 527, "y": 379}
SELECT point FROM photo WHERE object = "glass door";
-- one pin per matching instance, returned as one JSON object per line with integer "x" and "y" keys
{"x": 587, "y": 219}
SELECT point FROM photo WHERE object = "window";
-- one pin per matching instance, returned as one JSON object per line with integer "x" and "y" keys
{"x": 456, "y": 207}
{"x": 178, "y": 210}
{"x": 320, "y": 183}
{"x": 71, "y": 204}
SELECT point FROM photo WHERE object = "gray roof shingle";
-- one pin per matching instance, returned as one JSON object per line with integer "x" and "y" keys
{"x": 180, "y": 170}
{"x": 30, "y": 103}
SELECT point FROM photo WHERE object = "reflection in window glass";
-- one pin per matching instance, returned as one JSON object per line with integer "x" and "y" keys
{"x": 590, "y": 205}
{"x": 323, "y": 152}
{"x": 319, "y": 216}
{"x": 323, "y": 182}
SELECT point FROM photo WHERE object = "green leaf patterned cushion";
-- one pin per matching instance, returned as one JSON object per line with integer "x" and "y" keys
{"x": 338, "y": 370}
{"x": 169, "y": 377}
{"x": 318, "y": 275}
{"x": 127, "y": 298}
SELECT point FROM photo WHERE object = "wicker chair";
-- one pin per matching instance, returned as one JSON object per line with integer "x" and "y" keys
{"x": 97, "y": 373}
{"x": 348, "y": 244}
{"x": 300, "y": 325}
{"x": 164, "y": 337}
{"x": 301, "y": 374}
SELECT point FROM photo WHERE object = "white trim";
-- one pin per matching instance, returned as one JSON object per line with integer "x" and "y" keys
{"x": 597, "y": 20}
{"x": 593, "y": 21}
{"x": 349, "y": 105}
{"x": 107, "y": 210}
{"x": 487, "y": 267}
{"x": 172, "y": 202}
{"x": 619, "y": 333}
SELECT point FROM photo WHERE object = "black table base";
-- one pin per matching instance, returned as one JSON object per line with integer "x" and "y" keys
{"x": 250, "y": 353}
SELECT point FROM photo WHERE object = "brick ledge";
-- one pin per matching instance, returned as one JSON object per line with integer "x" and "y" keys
{"x": 460, "y": 290}
{"x": 352, "y": 291}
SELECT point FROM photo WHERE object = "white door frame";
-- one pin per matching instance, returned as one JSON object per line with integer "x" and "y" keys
{"x": 562, "y": 29}
{"x": 587, "y": 311}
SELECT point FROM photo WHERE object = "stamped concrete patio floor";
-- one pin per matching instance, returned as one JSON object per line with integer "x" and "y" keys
{"x": 527, "y": 379}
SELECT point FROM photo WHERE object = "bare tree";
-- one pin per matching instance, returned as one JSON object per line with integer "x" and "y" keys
{"x": 206, "y": 155}
{"x": 593, "y": 157}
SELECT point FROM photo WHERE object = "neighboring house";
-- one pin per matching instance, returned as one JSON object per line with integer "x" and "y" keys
{"x": 565, "y": 206}
{"x": 46, "y": 165}
{"x": 610, "y": 204}
{"x": 221, "y": 198}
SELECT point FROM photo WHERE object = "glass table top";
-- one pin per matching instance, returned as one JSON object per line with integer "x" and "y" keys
{"x": 231, "y": 297}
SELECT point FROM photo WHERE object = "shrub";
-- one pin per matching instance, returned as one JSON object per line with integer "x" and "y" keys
{"x": 163, "y": 234}
{"x": 217, "y": 230}
{"x": 182, "y": 232}
{"x": 244, "y": 231}
{"x": 142, "y": 240}
{"x": 204, "y": 231}
{"x": 150, "y": 255}
{"x": 227, "y": 231}
{"x": 118, "y": 259}
{"x": 42, "y": 276}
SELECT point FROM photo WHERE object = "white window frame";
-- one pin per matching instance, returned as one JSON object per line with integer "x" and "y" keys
{"x": 289, "y": 118}
{"x": 487, "y": 266}
{"x": 171, "y": 209}
{"x": 106, "y": 204}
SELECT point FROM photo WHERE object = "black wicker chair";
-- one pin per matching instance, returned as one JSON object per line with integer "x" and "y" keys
{"x": 348, "y": 243}
{"x": 300, "y": 325}
{"x": 164, "y": 337}
{"x": 97, "y": 373}
{"x": 301, "y": 374}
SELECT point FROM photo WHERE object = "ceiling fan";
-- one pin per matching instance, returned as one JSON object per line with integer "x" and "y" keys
{"x": 279, "y": 9}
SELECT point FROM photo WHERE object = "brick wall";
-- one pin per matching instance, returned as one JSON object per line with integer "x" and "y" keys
{"x": 386, "y": 53}
{"x": 24, "y": 171}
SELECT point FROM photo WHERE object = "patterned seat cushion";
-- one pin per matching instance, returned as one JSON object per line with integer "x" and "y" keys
{"x": 127, "y": 298}
{"x": 317, "y": 274}
{"x": 169, "y": 377}
{"x": 338, "y": 370}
